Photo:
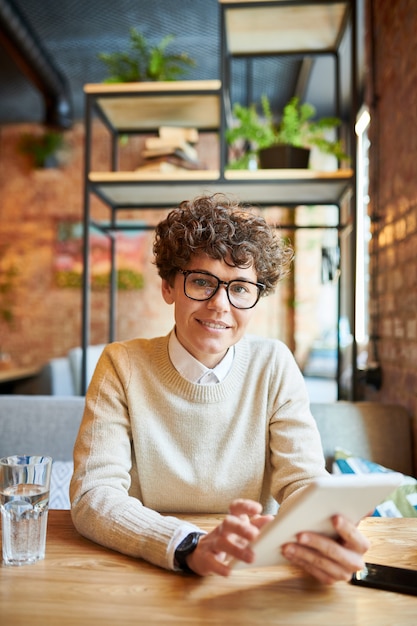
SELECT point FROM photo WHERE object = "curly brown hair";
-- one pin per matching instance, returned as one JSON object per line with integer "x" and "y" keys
{"x": 222, "y": 229}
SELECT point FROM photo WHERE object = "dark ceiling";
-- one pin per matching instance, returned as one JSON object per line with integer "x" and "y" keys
{"x": 73, "y": 32}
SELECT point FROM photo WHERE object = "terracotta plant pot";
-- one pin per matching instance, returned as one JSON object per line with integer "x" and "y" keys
{"x": 284, "y": 156}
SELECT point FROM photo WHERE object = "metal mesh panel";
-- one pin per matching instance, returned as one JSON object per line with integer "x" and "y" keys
{"x": 275, "y": 77}
{"x": 75, "y": 31}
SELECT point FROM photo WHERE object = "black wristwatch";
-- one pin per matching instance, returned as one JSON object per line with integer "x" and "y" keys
{"x": 185, "y": 548}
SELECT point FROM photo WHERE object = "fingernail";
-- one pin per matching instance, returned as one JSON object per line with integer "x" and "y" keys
{"x": 248, "y": 555}
{"x": 288, "y": 551}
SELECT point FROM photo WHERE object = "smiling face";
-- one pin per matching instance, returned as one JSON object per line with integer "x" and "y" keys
{"x": 208, "y": 328}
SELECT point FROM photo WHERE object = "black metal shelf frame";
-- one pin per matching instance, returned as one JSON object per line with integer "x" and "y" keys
{"x": 271, "y": 189}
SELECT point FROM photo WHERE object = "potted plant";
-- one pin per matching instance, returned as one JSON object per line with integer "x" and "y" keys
{"x": 143, "y": 62}
{"x": 283, "y": 144}
{"x": 43, "y": 149}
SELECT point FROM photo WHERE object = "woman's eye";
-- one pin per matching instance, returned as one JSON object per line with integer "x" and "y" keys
{"x": 201, "y": 282}
{"x": 239, "y": 288}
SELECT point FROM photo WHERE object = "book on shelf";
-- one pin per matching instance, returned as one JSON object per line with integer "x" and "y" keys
{"x": 173, "y": 148}
{"x": 184, "y": 150}
{"x": 175, "y": 133}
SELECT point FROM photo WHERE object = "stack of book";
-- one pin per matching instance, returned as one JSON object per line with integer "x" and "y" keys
{"x": 173, "y": 149}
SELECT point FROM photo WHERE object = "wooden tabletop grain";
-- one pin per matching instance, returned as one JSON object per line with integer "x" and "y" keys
{"x": 81, "y": 583}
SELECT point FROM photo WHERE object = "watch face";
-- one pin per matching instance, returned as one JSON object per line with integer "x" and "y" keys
{"x": 188, "y": 542}
{"x": 187, "y": 545}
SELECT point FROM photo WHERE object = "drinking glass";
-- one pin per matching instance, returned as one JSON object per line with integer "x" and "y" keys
{"x": 24, "y": 500}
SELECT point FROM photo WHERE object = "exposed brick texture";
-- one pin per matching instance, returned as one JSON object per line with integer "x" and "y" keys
{"x": 392, "y": 96}
{"x": 47, "y": 319}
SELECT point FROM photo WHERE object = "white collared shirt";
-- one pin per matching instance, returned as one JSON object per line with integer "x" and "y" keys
{"x": 193, "y": 370}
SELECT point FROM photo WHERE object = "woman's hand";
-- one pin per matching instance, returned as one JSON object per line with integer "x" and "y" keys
{"x": 229, "y": 540}
{"x": 326, "y": 559}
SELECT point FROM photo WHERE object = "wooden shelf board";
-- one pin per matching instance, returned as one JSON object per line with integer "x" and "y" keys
{"x": 263, "y": 187}
{"x": 146, "y": 176}
{"x": 147, "y": 105}
{"x": 279, "y": 28}
{"x": 142, "y": 88}
{"x": 288, "y": 174}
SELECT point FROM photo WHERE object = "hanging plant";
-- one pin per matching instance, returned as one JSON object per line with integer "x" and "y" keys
{"x": 43, "y": 149}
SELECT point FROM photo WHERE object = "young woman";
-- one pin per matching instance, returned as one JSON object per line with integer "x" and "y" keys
{"x": 207, "y": 419}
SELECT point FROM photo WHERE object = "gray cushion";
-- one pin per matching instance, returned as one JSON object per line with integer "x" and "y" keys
{"x": 379, "y": 432}
{"x": 46, "y": 425}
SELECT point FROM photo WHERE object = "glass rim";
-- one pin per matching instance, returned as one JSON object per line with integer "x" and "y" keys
{"x": 25, "y": 460}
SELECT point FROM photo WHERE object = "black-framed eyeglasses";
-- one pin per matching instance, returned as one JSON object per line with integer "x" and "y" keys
{"x": 242, "y": 294}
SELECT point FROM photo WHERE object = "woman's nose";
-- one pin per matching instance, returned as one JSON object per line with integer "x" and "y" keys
{"x": 220, "y": 300}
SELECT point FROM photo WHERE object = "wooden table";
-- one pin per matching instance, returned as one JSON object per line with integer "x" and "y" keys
{"x": 81, "y": 583}
{"x": 10, "y": 376}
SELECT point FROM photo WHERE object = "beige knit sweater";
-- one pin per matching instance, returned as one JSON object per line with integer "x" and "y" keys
{"x": 152, "y": 443}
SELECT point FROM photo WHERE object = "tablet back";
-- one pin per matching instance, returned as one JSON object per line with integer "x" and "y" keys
{"x": 352, "y": 495}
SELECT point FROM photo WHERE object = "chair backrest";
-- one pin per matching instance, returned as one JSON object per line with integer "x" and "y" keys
{"x": 379, "y": 432}
{"x": 75, "y": 361}
{"x": 45, "y": 425}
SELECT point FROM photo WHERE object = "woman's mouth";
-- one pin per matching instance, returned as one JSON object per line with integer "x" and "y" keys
{"x": 214, "y": 325}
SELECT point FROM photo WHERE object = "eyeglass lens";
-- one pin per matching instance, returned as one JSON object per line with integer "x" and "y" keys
{"x": 241, "y": 294}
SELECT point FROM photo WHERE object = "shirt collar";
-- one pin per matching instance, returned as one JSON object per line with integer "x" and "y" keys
{"x": 194, "y": 371}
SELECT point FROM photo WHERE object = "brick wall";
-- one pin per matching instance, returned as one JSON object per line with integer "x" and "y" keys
{"x": 392, "y": 96}
{"x": 47, "y": 318}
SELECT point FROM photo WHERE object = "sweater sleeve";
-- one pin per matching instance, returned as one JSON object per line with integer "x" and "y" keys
{"x": 296, "y": 453}
{"x": 102, "y": 508}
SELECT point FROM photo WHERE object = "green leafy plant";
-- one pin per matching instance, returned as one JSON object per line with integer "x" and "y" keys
{"x": 296, "y": 128}
{"x": 42, "y": 148}
{"x": 8, "y": 278}
{"x": 143, "y": 62}
{"x": 252, "y": 131}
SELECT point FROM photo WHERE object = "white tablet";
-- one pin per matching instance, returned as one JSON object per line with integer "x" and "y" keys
{"x": 352, "y": 495}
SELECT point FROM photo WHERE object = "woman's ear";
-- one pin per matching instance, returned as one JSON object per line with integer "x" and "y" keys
{"x": 167, "y": 292}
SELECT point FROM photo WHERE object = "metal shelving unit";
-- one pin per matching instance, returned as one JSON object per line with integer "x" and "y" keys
{"x": 135, "y": 108}
{"x": 306, "y": 30}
